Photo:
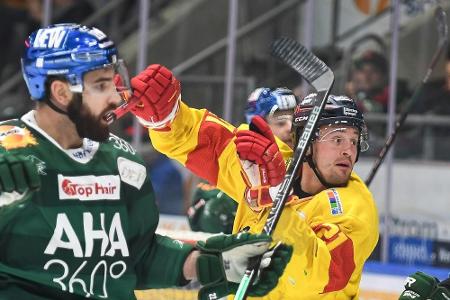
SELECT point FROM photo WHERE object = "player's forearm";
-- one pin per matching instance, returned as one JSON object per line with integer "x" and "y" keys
{"x": 203, "y": 143}
{"x": 189, "y": 267}
{"x": 181, "y": 138}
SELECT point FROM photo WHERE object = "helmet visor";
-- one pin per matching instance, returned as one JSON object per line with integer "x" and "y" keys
{"x": 122, "y": 81}
{"x": 361, "y": 141}
{"x": 342, "y": 137}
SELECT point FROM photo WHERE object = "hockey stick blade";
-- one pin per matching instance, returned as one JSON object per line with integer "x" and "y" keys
{"x": 309, "y": 66}
{"x": 317, "y": 73}
{"x": 442, "y": 30}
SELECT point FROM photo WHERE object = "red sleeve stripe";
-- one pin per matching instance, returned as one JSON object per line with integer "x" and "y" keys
{"x": 342, "y": 263}
{"x": 341, "y": 268}
{"x": 213, "y": 137}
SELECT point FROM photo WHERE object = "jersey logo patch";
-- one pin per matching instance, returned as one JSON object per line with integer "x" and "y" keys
{"x": 131, "y": 172}
{"x": 13, "y": 137}
{"x": 335, "y": 202}
{"x": 88, "y": 188}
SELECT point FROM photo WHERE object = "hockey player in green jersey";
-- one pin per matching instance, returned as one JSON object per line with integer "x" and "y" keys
{"x": 77, "y": 211}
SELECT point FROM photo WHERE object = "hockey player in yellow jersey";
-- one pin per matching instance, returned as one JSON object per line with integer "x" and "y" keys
{"x": 330, "y": 219}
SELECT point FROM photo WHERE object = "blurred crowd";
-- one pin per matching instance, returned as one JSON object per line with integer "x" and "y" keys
{"x": 367, "y": 83}
{"x": 20, "y": 17}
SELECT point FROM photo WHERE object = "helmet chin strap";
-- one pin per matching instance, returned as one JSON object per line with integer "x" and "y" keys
{"x": 54, "y": 107}
{"x": 313, "y": 166}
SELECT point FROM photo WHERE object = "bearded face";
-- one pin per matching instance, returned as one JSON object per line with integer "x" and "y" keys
{"x": 87, "y": 124}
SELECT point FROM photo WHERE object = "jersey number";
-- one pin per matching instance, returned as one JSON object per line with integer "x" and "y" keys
{"x": 121, "y": 144}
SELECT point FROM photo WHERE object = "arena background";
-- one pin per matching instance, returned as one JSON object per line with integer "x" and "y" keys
{"x": 219, "y": 49}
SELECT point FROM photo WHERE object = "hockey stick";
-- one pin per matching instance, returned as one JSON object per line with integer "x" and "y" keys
{"x": 317, "y": 73}
{"x": 441, "y": 20}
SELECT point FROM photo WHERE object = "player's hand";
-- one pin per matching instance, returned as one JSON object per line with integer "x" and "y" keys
{"x": 258, "y": 146}
{"x": 17, "y": 174}
{"x": 420, "y": 286}
{"x": 211, "y": 210}
{"x": 158, "y": 92}
{"x": 223, "y": 260}
{"x": 263, "y": 167}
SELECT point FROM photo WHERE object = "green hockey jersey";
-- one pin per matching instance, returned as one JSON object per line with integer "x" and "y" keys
{"x": 89, "y": 232}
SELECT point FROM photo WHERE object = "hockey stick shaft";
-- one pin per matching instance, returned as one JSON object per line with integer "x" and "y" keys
{"x": 298, "y": 157}
{"x": 321, "y": 78}
{"x": 441, "y": 20}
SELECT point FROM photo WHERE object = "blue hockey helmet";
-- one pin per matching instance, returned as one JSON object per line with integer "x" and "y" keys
{"x": 265, "y": 101}
{"x": 68, "y": 50}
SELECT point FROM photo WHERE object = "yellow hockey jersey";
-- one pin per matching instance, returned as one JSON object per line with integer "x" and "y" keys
{"x": 333, "y": 232}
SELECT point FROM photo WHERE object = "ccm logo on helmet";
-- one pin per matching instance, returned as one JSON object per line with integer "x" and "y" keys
{"x": 49, "y": 38}
{"x": 302, "y": 118}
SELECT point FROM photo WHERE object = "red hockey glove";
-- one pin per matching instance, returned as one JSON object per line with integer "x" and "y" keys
{"x": 263, "y": 167}
{"x": 158, "y": 93}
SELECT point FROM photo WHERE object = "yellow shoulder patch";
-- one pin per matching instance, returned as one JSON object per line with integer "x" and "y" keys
{"x": 13, "y": 137}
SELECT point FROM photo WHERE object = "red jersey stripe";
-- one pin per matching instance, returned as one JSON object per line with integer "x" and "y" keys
{"x": 213, "y": 137}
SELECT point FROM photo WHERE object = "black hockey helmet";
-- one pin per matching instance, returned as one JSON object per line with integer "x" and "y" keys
{"x": 338, "y": 110}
